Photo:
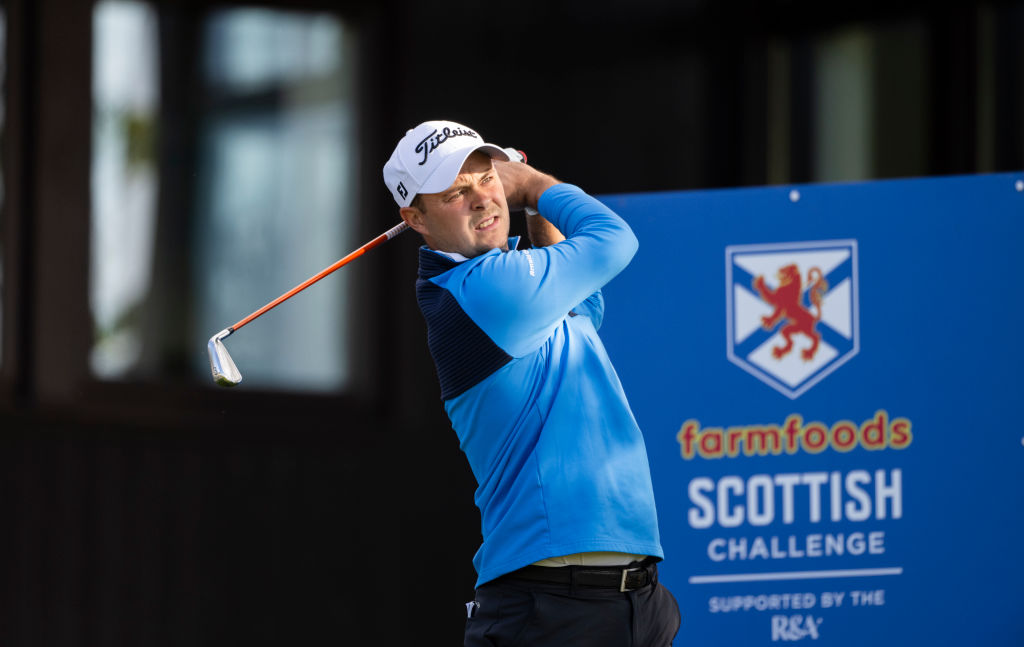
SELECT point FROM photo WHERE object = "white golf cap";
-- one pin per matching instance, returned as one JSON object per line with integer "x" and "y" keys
{"x": 430, "y": 156}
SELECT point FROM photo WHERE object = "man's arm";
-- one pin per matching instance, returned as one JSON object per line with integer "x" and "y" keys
{"x": 522, "y": 183}
{"x": 541, "y": 232}
{"x": 523, "y": 186}
{"x": 517, "y": 297}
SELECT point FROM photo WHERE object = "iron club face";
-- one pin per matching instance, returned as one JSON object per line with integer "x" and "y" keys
{"x": 225, "y": 373}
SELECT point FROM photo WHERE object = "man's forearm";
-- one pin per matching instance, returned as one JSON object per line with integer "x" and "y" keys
{"x": 541, "y": 232}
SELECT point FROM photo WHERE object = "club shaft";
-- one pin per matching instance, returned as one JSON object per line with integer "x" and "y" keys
{"x": 383, "y": 238}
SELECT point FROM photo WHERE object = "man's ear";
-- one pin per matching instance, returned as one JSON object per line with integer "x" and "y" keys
{"x": 414, "y": 218}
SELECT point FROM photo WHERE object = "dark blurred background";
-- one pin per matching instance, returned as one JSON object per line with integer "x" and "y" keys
{"x": 168, "y": 167}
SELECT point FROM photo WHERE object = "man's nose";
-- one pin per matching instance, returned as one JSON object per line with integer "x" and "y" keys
{"x": 479, "y": 199}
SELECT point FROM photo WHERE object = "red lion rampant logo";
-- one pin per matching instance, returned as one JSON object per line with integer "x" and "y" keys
{"x": 787, "y": 301}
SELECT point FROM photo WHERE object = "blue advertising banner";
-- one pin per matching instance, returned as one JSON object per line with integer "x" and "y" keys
{"x": 829, "y": 382}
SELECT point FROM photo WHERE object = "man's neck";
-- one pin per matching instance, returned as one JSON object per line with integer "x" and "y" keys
{"x": 513, "y": 243}
{"x": 455, "y": 256}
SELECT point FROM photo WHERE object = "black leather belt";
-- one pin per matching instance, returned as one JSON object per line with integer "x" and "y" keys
{"x": 623, "y": 578}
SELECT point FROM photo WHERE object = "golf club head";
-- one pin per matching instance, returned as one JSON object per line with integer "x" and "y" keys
{"x": 225, "y": 373}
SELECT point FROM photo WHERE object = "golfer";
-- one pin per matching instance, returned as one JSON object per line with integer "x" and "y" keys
{"x": 570, "y": 531}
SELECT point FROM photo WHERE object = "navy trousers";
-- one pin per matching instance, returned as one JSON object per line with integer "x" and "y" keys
{"x": 508, "y": 612}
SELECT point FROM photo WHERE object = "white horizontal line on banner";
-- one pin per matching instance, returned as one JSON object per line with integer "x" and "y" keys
{"x": 795, "y": 575}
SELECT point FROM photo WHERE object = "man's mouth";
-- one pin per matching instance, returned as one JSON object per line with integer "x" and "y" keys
{"x": 486, "y": 224}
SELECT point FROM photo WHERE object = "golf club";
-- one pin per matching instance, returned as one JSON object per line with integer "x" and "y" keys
{"x": 225, "y": 373}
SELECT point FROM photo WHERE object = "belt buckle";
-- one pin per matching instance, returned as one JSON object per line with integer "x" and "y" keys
{"x": 622, "y": 584}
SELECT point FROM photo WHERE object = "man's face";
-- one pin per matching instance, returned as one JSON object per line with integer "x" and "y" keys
{"x": 470, "y": 217}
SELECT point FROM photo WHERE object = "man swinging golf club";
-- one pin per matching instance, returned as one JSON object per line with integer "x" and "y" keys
{"x": 570, "y": 531}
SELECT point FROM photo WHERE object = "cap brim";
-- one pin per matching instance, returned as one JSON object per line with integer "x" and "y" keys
{"x": 446, "y": 172}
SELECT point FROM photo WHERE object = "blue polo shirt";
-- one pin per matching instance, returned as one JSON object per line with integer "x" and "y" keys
{"x": 560, "y": 463}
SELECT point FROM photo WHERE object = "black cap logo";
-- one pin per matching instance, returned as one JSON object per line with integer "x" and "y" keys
{"x": 430, "y": 143}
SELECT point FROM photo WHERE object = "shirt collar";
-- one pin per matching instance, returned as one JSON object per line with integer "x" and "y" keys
{"x": 513, "y": 243}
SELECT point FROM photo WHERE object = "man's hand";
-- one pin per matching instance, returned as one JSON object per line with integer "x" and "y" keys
{"x": 523, "y": 184}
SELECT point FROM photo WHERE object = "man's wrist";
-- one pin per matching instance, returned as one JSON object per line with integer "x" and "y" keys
{"x": 541, "y": 183}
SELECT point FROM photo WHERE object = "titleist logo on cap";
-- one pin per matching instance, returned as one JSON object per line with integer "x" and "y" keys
{"x": 430, "y": 143}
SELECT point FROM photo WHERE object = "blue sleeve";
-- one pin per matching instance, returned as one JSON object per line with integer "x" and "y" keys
{"x": 593, "y": 308}
{"x": 518, "y": 297}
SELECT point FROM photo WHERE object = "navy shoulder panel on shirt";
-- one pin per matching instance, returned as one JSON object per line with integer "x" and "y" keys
{"x": 463, "y": 353}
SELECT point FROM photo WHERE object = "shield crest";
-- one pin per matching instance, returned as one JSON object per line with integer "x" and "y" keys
{"x": 792, "y": 311}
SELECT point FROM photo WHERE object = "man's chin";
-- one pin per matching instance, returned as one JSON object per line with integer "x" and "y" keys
{"x": 494, "y": 241}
